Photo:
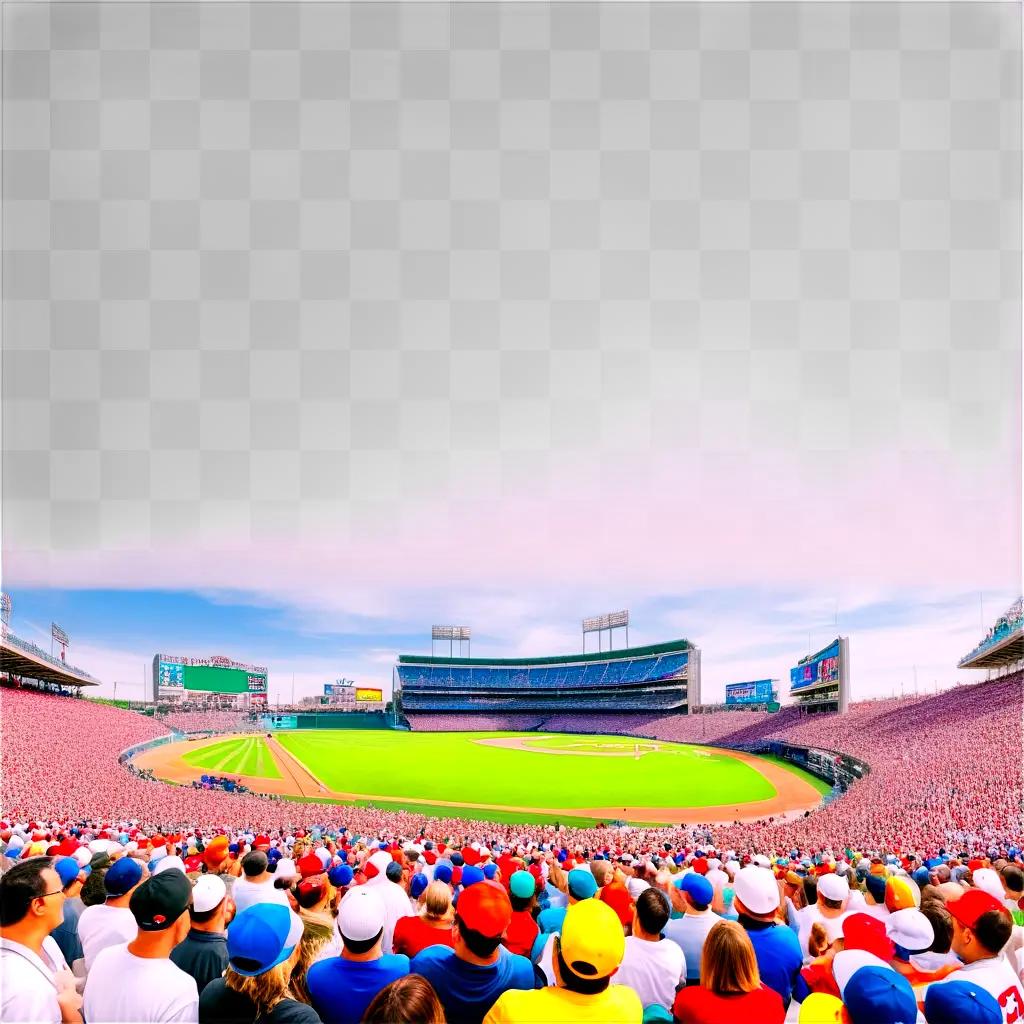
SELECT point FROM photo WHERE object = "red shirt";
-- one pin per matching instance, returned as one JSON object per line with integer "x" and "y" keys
{"x": 522, "y": 930}
{"x": 413, "y": 934}
{"x": 696, "y": 1005}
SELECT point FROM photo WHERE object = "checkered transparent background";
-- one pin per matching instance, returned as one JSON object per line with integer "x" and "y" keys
{"x": 271, "y": 266}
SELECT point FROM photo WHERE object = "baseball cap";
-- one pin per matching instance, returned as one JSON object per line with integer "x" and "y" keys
{"x": 361, "y": 915}
{"x": 969, "y": 907}
{"x": 68, "y": 868}
{"x": 417, "y": 884}
{"x": 862, "y": 931}
{"x": 592, "y": 942}
{"x": 987, "y": 880}
{"x": 878, "y": 995}
{"x": 160, "y": 900}
{"x": 207, "y": 893}
{"x": 833, "y": 887}
{"x": 309, "y": 865}
{"x": 618, "y": 898}
{"x": 821, "y": 1008}
{"x": 485, "y": 908}
{"x": 698, "y": 888}
{"x": 910, "y": 930}
{"x": 756, "y": 889}
{"x": 960, "y": 1002}
{"x": 443, "y": 873}
{"x": 340, "y": 876}
{"x": 875, "y": 884}
{"x": 173, "y": 863}
{"x": 582, "y": 884}
{"x": 122, "y": 876}
{"x": 216, "y": 850}
{"x": 261, "y": 937}
{"x": 900, "y": 893}
{"x": 521, "y": 884}
{"x": 471, "y": 875}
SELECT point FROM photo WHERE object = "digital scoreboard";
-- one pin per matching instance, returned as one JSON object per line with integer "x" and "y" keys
{"x": 179, "y": 678}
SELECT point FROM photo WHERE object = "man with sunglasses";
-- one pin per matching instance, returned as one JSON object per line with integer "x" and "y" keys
{"x": 35, "y": 982}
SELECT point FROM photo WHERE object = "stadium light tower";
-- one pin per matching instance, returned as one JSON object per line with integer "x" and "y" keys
{"x": 599, "y": 623}
{"x": 451, "y": 634}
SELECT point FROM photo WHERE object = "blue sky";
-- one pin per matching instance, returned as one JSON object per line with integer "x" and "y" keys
{"x": 744, "y": 633}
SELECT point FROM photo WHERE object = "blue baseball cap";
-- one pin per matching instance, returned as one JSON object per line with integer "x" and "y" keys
{"x": 697, "y": 887}
{"x": 457, "y": 860}
{"x": 122, "y": 876}
{"x": 417, "y": 884}
{"x": 960, "y": 1002}
{"x": 340, "y": 876}
{"x": 261, "y": 937}
{"x": 68, "y": 868}
{"x": 443, "y": 873}
{"x": 876, "y": 886}
{"x": 471, "y": 874}
{"x": 878, "y": 995}
{"x": 490, "y": 870}
{"x": 582, "y": 884}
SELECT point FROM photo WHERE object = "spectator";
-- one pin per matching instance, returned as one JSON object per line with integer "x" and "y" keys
{"x": 961, "y": 1002}
{"x": 830, "y": 910}
{"x": 690, "y": 930}
{"x": 342, "y": 987}
{"x": 72, "y": 876}
{"x": 981, "y": 928}
{"x": 319, "y": 936}
{"x": 580, "y": 885}
{"x": 1012, "y": 878}
{"x": 203, "y": 953}
{"x": 407, "y": 1000}
{"x": 137, "y": 981}
{"x": 262, "y": 944}
{"x": 776, "y": 948}
{"x": 653, "y": 966}
{"x": 111, "y": 922}
{"x": 470, "y": 977}
{"x": 257, "y": 883}
{"x": 522, "y": 929}
{"x": 730, "y": 984}
{"x": 433, "y": 925}
{"x": 393, "y": 896}
{"x": 587, "y": 954}
{"x": 35, "y": 981}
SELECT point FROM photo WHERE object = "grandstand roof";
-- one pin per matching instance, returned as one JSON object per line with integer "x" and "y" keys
{"x": 23, "y": 658}
{"x": 1006, "y": 651}
{"x": 670, "y": 647}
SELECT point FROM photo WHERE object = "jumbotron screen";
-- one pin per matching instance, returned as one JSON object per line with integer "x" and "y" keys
{"x": 822, "y": 668}
{"x": 208, "y": 675}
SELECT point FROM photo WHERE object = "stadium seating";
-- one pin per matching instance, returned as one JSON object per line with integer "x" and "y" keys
{"x": 1009, "y": 622}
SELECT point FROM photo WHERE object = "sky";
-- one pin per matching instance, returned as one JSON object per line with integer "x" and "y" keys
{"x": 327, "y": 322}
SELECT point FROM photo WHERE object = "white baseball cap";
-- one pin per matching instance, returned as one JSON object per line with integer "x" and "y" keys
{"x": 910, "y": 929}
{"x": 286, "y": 868}
{"x": 832, "y": 887}
{"x": 757, "y": 890}
{"x": 168, "y": 863}
{"x": 846, "y": 963}
{"x": 361, "y": 914}
{"x": 761, "y": 861}
{"x": 207, "y": 893}
{"x": 987, "y": 880}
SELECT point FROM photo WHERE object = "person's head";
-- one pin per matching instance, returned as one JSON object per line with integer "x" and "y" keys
{"x": 407, "y": 1000}
{"x": 121, "y": 879}
{"x": 580, "y": 884}
{"x": 32, "y": 897}
{"x": 437, "y": 902}
{"x": 263, "y": 944}
{"x": 254, "y": 864}
{"x": 159, "y": 907}
{"x": 72, "y": 875}
{"x": 1012, "y": 878}
{"x": 651, "y": 913}
{"x": 728, "y": 965}
{"x": 209, "y": 903}
{"x": 756, "y": 893}
{"x": 590, "y": 948}
{"x": 833, "y": 892}
{"x": 942, "y": 925}
{"x": 602, "y": 871}
{"x": 521, "y": 888}
{"x": 361, "y": 917}
{"x": 697, "y": 891}
{"x": 981, "y": 926}
{"x": 313, "y": 893}
{"x": 482, "y": 915}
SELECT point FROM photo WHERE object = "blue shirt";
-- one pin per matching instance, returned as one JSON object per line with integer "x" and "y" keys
{"x": 778, "y": 958}
{"x": 341, "y": 990}
{"x": 468, "y": 991}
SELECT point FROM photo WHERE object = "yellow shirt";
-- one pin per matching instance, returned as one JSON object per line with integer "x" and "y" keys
{"x": 617, "y": 1004}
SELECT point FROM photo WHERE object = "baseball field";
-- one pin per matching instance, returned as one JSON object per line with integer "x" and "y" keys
{"x": 511, "y": 777}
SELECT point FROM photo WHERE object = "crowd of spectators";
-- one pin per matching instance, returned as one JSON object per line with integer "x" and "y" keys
{"x": 1009, "y": 622}
{"x": 214, "y": 720}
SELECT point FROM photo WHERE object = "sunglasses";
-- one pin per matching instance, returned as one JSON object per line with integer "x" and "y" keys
{"x": 43, "y": 896}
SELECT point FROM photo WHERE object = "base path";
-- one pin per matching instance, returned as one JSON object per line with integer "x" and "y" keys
{"x": 792, "y": 794}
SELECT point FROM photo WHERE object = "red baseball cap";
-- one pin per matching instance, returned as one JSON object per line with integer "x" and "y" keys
{"x": 969, "y": 907}
{"x": 485, "y": 908}
{"x": 617, "y": 897}
{"x": 309, "y": 865}
{"x": 862, "y": 931}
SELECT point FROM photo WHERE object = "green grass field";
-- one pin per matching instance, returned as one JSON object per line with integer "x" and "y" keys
{"x": 412, "y": 771}
{"x": 246, "y": 756}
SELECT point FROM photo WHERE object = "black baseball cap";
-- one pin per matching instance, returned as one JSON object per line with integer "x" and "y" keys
{"x": 161, "y": 900}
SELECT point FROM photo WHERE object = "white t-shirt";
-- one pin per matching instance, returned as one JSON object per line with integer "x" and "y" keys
{"x": 101, "y": 926}
{"x": 28, "y": 983}
{"x": 122, "y": 987}
{"x": 689, "y": 933}
{"x": 247, "y": 894}
{"x": 652, "y": 970}
{"x": 996, "y": 977}
{"x": 833, "y": 927}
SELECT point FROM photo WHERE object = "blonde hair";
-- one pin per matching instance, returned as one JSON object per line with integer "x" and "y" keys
{"x": 264, "y": 990}
{"x": 437, "y": 902}
{"x": 558, "y": 877}
{"x": 315, "y": 936}
{"x": 817, "y": 941}
{"x": 728, "y": 965}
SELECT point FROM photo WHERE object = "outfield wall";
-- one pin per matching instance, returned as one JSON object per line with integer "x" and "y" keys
{"x": 286, "y": 722}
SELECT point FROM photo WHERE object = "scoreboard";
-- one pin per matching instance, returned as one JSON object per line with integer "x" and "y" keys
{"x": 760, "y": 691}
{"x": 180, "y": 678}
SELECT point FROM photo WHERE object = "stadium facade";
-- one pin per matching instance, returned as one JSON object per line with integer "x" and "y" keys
{"x": 660, "y": 677}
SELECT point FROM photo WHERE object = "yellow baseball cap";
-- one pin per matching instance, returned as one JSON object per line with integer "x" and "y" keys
{"x": 822, "y": 1008}
{"x": 592, "y": 942}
